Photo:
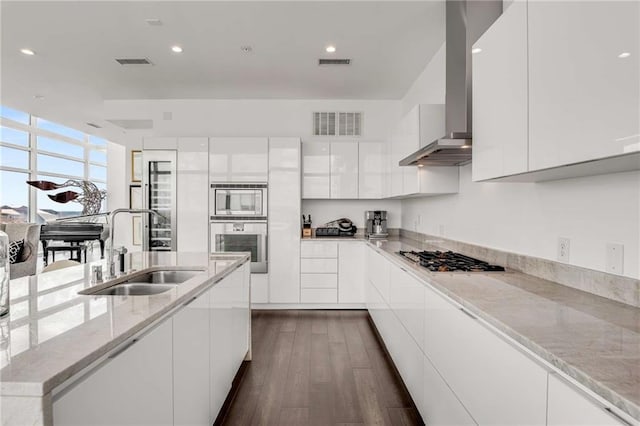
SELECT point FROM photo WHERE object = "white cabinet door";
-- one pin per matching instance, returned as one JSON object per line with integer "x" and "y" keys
{"x": 378, "y": 272}
{"x": 584, "y": 97}
{"x": 134, "y": 387}
{"x": 238, "y": 159}
{"x": 440, "y": 406}
{"x": 496, "y": 383}
{"x": 319, "y": 266}
{"x": 316, "y": 170}
{"x": 406, "y": 298}
{"x": 371, "y": 170}
{"x": 570, "y": 407}
{"x": 500, "y": 132}
{"x": 259, "y": 288}
{"x": 319, "y": 249}
{"x": 193, "y": 194}
{"x": 344, "y": 170}
{"x": 351, "y": 272}
{"x": 284, "y": 220}
{"x": 191, "y": 334}
{"x": 222, "y": 329}
{"x": 396, "y": 154}
{"x": 159, "y": 143}
{"x": 410, "y": 144}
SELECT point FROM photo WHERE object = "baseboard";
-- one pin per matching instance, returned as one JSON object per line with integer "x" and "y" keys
{"x": 233, "y": 392}
{"x": 303, "y": 306}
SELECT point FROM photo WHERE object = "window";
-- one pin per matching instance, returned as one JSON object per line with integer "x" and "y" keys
{"x": 32, "y": 148}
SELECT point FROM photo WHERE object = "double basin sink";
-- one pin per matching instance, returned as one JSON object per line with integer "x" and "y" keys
{"x": 143, "y": 283}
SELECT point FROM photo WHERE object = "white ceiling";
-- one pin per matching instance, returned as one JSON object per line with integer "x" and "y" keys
{"x": 76, "y": 44}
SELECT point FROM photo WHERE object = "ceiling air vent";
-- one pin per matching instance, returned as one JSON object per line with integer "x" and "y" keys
{"x": 134, "y": 61}
{"x": 334, "y": 61}
{"x": 94, "y": 125}
{"x": 337, "y": 123}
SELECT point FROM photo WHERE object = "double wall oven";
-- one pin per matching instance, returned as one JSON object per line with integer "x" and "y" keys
{"x": 239, "y": 221}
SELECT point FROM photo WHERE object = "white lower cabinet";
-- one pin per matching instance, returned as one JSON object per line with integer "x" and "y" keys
{"x": 351, "y": 272}
{"x": 191, "y": 325}
{"x": 439, "y": 405}
{"x": 406, "y": 298}
{"x": 496, "y": 382}
{"x": 570, "y": 407}
{"x": 178, "y": 373}
{"x": 133, "y": 387}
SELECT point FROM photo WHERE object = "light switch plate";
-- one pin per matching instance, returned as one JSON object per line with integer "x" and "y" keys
{"x": 615, "y": 258}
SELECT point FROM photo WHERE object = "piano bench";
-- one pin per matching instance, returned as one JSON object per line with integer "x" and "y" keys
{"x": 77, "y": 249}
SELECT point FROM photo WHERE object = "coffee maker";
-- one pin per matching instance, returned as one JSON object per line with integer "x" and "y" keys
{"x": 376, "y": 224}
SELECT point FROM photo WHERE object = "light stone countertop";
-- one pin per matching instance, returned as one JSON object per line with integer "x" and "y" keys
{"x": 594, "y": 340}
{"x": 54, "y": 333}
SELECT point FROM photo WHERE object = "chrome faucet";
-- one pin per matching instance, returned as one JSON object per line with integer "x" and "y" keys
{"x": 112, "y": 216}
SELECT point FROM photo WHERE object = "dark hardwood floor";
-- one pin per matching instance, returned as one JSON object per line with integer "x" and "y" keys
{"x": 319, "y": 368}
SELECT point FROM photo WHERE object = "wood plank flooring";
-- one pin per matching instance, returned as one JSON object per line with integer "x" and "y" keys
{"x": 319, "y": 368}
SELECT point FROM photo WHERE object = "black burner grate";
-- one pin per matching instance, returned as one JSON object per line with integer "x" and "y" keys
{"x": 448, "y": 261}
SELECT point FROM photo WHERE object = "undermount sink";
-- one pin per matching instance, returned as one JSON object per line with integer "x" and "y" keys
{"x": 134, "y": 289}
{"x": 143, "y": 284}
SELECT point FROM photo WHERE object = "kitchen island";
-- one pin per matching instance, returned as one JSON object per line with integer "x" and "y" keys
{"x": 58, "y": 343}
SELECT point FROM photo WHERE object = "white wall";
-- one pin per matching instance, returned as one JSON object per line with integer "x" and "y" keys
{"x": 117, "y": 188}
{"x": 323, "y": 211}
{"x": 528, "y": 218}
{"x": 219, "y": 117}
{"x": 429, "y": 87}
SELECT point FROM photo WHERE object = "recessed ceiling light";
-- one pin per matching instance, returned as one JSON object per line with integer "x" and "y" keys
{"x": 154, "y": 22}
{"x": 28, "y": 52}
{"x": 176, "y": 49}
{"x": 476, "y": 50}
{"x": 420, "y": 165}
{"x": 246, "y": 49}
{"x": 624, "y": 55}
{"x": 330, "y": 49}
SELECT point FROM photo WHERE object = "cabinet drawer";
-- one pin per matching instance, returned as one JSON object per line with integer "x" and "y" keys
{"x": 319, "y": 295}
{"x": 319, "y": 249}
{"x": 319, "y": 266}
{"x": 319, "y": 281}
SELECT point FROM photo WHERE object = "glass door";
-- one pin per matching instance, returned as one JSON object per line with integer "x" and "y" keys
{"x": 160, "y": 196}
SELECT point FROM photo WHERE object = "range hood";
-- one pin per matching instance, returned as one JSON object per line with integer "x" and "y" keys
{"x": 466, "y": 20}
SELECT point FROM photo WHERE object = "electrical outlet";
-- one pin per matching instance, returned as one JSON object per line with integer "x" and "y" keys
{"x": 564, "y": 245}
{"x": 615, "y": 258}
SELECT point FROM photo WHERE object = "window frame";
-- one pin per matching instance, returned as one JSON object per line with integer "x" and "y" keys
{"x": 32, "y": 149}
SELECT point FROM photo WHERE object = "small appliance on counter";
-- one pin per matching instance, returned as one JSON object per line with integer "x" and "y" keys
{"x": 338, "y": 228}
{"x": 307, "y": 232}
{"x": 376, "y": 224}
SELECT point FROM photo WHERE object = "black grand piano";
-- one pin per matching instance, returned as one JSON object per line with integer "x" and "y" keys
{"x": 72, "y": 233}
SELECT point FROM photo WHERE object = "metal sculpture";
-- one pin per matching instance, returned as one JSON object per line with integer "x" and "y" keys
{"x": 90, "y": 198}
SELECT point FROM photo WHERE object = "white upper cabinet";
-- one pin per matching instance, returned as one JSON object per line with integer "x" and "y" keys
{"x": 159, "y": 143}
{"x": 238, "y": 159}
{"x": 500, "y": 133}
{"x": 192, "y": 194}
{"x": 556, "y": 87}
{"x": 419, "y": 127}
{"x": 316, "y": 170}
{"x": 344, "y": 170}
{"x": 584, "y": 84}
{"x": 371, "y": 170}
{"x": 284, "y": 220}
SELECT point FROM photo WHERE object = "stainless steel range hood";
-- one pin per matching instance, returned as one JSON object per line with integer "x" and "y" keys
{"x": 466, "y": 20}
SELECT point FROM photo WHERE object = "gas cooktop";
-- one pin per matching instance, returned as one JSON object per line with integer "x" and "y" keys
{"x": 448, "y": 261}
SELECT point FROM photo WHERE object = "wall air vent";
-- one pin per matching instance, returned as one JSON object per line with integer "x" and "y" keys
{"x": 133, "y": 61}
{"x": 334, "y": 61}
{"x": 337, "y": 123}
